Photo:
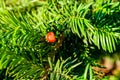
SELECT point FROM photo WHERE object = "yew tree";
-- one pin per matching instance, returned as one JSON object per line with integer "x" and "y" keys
{"x": 56, "y": 39}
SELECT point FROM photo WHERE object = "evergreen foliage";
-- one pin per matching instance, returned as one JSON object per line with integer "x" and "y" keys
{"x": 85, "y": 30}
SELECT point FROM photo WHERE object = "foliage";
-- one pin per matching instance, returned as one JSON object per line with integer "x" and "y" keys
{"x": 83, "y": 30}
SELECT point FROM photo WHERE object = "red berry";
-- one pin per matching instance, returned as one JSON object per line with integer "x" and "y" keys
{"x": 50, "y": 37}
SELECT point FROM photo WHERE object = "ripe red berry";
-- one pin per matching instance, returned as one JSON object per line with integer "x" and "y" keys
{"x": 50, "y": 37}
